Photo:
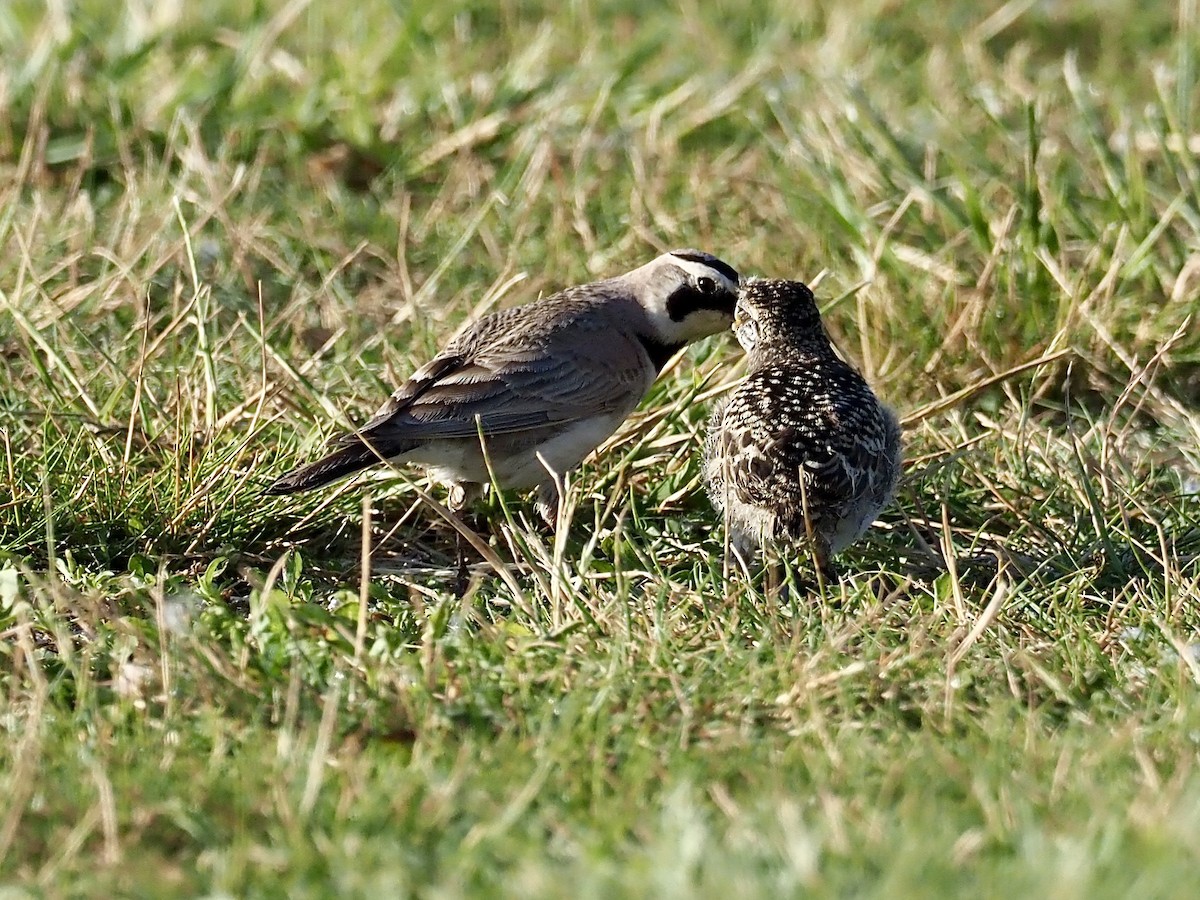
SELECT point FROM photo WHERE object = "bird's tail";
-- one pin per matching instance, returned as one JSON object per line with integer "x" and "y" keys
{"x": 329, "y": 468}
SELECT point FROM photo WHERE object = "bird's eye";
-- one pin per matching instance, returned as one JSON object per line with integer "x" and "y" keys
{"x": 706, "y": 285}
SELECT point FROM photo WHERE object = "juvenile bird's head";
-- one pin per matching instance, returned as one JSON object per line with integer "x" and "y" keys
{"x": 687, "y": 295}
{"x": 772, "y": 312}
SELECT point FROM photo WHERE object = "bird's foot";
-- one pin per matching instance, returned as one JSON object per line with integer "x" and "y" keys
{"x": 462, "y": 494}
{"x": 547, "y": 504}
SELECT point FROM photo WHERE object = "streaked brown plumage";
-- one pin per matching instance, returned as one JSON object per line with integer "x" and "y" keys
{"x": 803, "y": 444}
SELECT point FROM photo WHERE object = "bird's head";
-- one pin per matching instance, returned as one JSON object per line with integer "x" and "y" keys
{"x": 770, "y": 310}
{"x": 687, "y": 295}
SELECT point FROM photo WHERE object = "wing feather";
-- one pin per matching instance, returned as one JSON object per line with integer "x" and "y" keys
{"x": 518, "y": 370}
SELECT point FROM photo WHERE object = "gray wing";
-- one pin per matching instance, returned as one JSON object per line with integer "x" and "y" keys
{"x": 548, "y": 363}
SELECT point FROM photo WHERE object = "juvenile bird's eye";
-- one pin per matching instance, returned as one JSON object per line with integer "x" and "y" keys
{"x": 706, "y": 285}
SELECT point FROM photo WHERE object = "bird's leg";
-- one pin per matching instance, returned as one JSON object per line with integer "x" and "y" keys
{"x": 462, "y": 494}
{"x": 744, "y": 547}
{"x": 462, "y": 577}
{"x": 775, "y": 577}
{"x": 547, "y": 503}
{"x": 827, "y": 573}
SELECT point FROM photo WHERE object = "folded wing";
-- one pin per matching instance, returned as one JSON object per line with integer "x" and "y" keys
{"x": 505, "y": 387}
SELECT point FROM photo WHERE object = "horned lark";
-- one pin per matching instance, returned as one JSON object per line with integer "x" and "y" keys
{"x": 803, "y": 450}
{"x": 539, "y": 386}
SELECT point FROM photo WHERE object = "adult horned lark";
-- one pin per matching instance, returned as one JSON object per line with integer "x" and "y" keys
{"x": 539, "y": 386}
{"x": 803, "y": 450}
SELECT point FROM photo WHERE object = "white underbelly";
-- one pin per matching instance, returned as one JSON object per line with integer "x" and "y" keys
{"x": 514, "y": 458}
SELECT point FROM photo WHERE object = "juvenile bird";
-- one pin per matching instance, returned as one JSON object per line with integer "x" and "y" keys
{"x": 544, "y": 383}
{"x": 803, "y": 450}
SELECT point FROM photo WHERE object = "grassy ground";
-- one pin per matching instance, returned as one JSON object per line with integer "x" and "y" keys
{"x": 226, "y": 229}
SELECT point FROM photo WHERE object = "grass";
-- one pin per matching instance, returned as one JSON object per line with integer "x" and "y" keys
{"x": 226, "y": 230}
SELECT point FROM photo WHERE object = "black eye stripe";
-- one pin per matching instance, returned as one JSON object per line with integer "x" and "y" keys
{"x": 688, "y": 299}
{"x": 709, "y": 260}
